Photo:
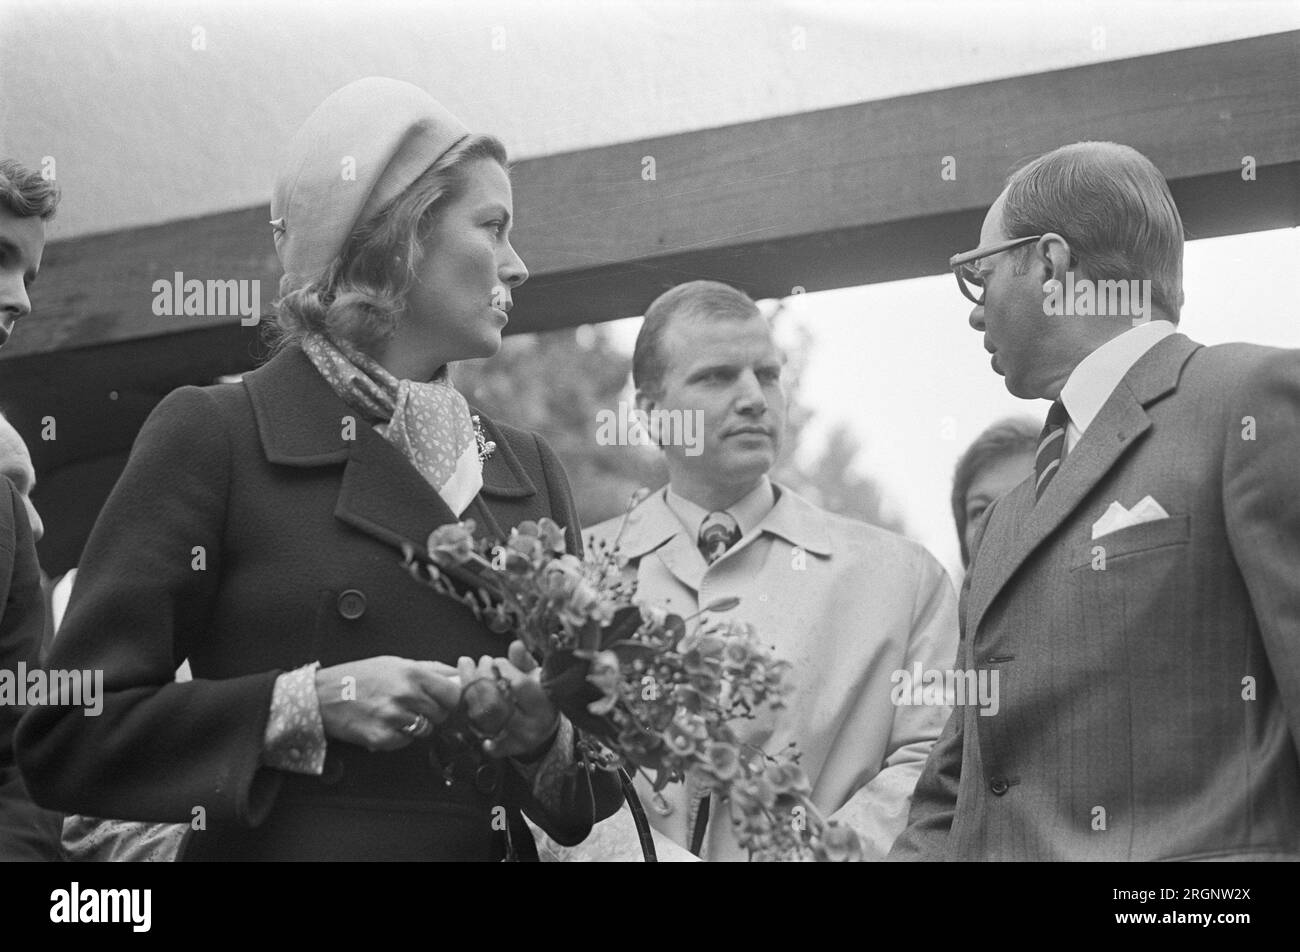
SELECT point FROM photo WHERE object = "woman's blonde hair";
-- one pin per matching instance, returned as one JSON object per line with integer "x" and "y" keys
{"x": 360, "y": 296}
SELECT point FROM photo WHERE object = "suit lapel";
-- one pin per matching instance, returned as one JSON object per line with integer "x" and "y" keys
{"x": 1120, "y": 425}
{"x": 999, "y": 534}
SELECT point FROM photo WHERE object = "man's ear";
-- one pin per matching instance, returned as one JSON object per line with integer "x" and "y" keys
{"x": 1054, "y": 257}
{"x": 645, "y": 401}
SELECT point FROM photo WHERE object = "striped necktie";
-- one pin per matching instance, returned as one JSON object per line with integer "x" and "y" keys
{"x": 1051, "y": 448}
{"x": 718, "y": 532}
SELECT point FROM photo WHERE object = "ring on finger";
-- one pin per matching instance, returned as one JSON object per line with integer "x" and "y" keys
{"x": 418, "y": 727}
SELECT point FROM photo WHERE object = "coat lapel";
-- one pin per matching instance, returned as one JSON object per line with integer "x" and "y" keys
{"x": 653, "y": 530}
{"x": 301, "y": 422}
{"x": 385, "y": 496}
{"x": 1118, "y": 427}
{"x": 680, "y": 557}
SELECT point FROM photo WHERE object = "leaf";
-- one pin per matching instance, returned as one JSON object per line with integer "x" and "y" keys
{"x": 663, "y": 777}
{"x": 564, "y": 677}
{"x": 721, "y": 605}
{"x": 622, "y": 627}
{"x": 677, "y": 628}
{"x": 588, "y": 636}
{"x": 649, "y": 757}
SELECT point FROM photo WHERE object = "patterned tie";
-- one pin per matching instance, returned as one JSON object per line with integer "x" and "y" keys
{"x": 1051, "y": 448}
{"x": 718, "y": 532}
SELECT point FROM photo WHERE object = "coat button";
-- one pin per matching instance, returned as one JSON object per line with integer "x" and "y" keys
{"x": 352, "y": 604}
{"x": 999, "y": 786}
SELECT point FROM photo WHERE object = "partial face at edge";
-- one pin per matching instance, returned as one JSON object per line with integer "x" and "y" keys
{"x": 991, "y": 483}
{"x": 16, "y": 463}
{"x": 22, "y": 243}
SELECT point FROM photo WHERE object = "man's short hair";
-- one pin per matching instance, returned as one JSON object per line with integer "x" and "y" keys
{"x": 697, "y": 300}
{"x": 26, "y": 194}
{"x": 1114, "y": 208}
{"x": 1002, "y": 440}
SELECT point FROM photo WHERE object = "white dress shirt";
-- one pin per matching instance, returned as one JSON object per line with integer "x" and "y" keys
{"x": 1097, "y": 375}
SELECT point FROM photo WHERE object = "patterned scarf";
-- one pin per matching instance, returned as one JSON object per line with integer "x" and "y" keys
{"x": 429, "y": 423}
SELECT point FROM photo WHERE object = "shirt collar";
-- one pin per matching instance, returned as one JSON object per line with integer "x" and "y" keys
{"x": 652, "y": 524}
{"x": 1095, "y": 378}
{"x": 748, "y": 511}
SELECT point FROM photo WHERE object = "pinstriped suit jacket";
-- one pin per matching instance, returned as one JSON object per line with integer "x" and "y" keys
{"x": 1149, "y": 679}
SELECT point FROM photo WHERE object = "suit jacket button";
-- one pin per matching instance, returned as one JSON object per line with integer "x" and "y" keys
{"x": 352, "y": 604}
{"x": 999, "y": 786}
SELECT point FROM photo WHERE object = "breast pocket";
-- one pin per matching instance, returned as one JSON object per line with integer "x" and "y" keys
{"x": 1134, "y": 540}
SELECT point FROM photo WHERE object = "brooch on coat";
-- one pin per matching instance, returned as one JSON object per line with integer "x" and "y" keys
{"x": 486, "y": 447}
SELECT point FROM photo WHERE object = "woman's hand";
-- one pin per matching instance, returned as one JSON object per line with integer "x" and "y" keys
{"x": 532, "y": 723}
{"x": 384, "y": 703}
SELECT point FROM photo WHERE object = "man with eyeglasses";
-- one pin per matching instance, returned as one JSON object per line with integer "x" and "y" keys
{"x": 1138, "y": 596}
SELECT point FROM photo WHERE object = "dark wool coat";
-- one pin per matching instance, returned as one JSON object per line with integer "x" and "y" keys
{"x": 26, "y": 833}
{"x": 249, "y": 535}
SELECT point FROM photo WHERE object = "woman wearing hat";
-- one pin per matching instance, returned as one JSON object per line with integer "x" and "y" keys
{"x": 257, "y": 532}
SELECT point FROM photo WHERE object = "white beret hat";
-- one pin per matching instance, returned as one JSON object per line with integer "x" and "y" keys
{"x": 361, "y": 148}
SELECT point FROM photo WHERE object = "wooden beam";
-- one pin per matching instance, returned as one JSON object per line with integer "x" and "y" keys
{"x": 832, "y": 198}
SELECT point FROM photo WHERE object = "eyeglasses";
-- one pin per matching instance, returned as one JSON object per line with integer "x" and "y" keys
{"x": 966, "y": 265}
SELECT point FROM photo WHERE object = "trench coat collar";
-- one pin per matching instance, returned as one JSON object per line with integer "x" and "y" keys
{"x": 653, "y": 527}
{"x": 652, "y": 524}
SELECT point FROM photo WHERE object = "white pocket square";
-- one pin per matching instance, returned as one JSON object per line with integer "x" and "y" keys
{"x": 1116, "y": 517}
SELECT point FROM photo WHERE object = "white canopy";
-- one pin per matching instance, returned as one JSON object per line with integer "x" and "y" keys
{"x": 154, "y": 110}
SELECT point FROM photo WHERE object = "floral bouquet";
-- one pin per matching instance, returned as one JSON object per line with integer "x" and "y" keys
{"x": 646, "y": 694}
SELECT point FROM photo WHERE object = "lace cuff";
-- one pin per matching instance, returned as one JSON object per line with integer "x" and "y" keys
{"x": 295, "y": 733}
